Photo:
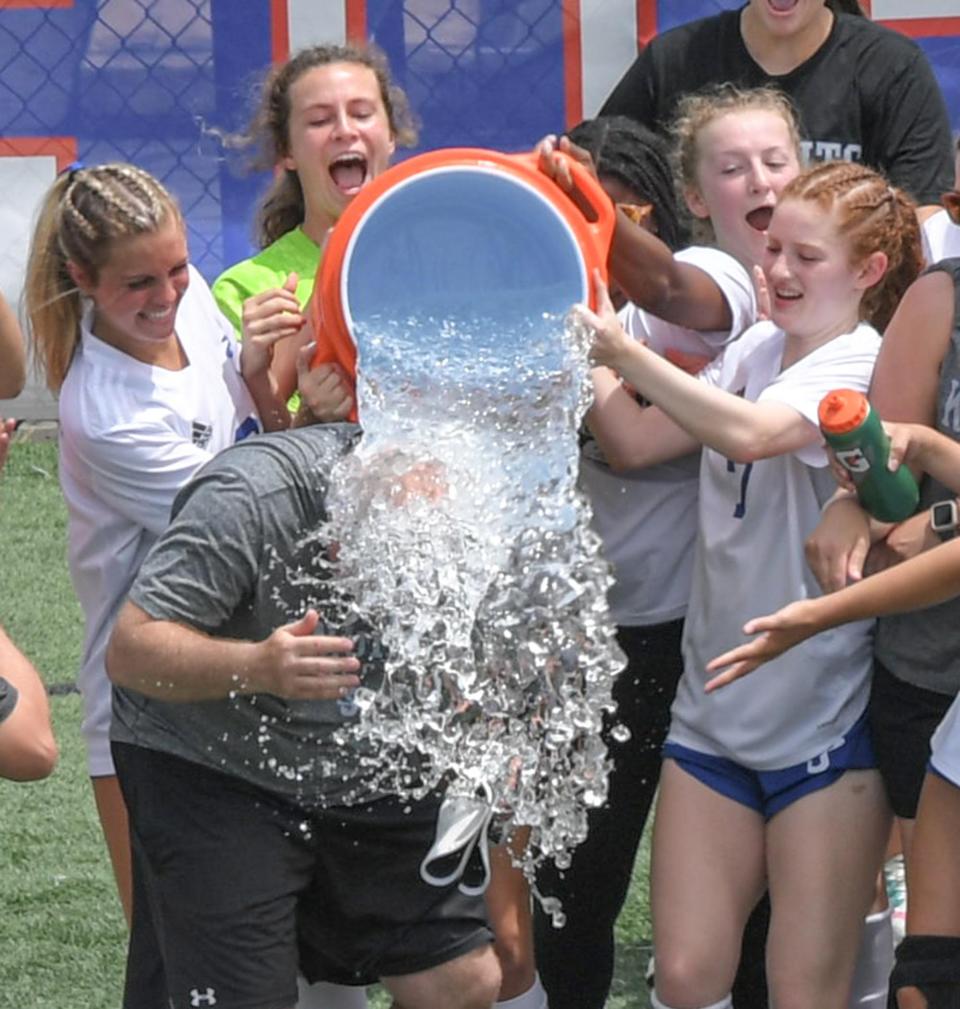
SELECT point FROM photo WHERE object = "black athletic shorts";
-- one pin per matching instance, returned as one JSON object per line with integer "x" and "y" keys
{"x": 902, "y": 720}
{"x": 244, "y": 887}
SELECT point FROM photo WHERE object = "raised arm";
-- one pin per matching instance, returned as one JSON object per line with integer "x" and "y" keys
{"x": 28, "y": 750}
{"x": 632, "y": 436}
{"x": 641, "y": 263}
{"x": 743, "y": 431}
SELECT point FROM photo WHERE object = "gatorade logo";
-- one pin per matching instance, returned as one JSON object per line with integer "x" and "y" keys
{"x": 853, "y": 459}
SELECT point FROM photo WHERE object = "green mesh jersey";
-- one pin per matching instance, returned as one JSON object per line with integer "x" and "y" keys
{"x": 293, "y": 252}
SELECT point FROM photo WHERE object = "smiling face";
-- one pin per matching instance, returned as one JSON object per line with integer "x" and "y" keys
{"x": 744, "y": 160}
{"x": 136, "y": 292}
{"x": 815, "y": 288}
{"x": 788, "y": 18}
{"x": 339, "y": 138}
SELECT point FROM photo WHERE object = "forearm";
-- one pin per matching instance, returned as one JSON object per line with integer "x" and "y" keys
{"x": 631, "y": 436}
{"x": 939, "y": 456}
{"x": 925, "y": 580}
{"x": 739, "y": 429}
{"x": 646, "y": 271}
{"x": 13, "y": 361}
{"x": 172, "y": 662}
{"x": 272, "y": 410}
{"x": 28, "y": 750}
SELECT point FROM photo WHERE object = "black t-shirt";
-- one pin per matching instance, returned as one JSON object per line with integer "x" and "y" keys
{"x": 868, "y": 94}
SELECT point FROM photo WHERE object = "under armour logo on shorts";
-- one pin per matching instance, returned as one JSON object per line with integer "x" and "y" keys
{"x": 198, "y": 998}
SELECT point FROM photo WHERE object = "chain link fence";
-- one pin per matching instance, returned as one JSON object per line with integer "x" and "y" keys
{"x": 157, "y": 82}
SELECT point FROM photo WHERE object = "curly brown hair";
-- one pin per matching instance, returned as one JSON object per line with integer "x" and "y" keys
{"x": 283, "y": 207}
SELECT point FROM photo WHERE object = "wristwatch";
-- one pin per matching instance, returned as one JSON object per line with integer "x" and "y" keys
{"x": 945, "y": 519}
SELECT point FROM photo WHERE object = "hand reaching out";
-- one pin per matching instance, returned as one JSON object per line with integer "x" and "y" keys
{"x": 776, "y": 633}
{"x": 610, "y": 340}
{"x": 7, "y": 427}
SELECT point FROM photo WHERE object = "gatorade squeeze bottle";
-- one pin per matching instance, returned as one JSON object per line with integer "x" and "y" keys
{"x": 853, "y": 430}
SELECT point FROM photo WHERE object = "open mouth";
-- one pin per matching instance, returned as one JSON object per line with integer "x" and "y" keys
{"x": 159, "y": 315}
{"x": 782, "y": 295}
{"x": 759, "y": 218}
{"x": 349, "y": 172}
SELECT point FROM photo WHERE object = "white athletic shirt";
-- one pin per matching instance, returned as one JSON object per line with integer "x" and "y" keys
{"x": 750, "y": 561}
{"x": 647, "y": 518}
{"x": 945, "y": 745}
{"x": 131, "y": 435}
{"x": 941, "y": 238}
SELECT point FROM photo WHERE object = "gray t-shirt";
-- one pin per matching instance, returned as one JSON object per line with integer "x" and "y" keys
{"x": 8, "y": 698}
{"x": 923, "y": 647}
{"x": 239, "y": 561}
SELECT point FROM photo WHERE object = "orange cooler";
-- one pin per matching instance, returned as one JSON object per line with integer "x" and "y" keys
{"x": 457, "y": 234}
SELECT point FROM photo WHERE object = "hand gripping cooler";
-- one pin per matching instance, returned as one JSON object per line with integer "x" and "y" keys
{"x": 457, "y": 233}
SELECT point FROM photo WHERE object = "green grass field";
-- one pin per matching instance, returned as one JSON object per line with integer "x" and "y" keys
{"x": 61, "y": 931}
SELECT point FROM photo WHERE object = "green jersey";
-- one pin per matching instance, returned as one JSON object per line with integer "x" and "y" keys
{"x": 293, "y": 252}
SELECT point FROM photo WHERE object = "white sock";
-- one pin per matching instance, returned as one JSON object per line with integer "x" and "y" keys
{"x": 533, "y": 998}
{"x": 324, "y": 995}
{"x": 724, "y": 1003}
{"x": 871, "y": 975}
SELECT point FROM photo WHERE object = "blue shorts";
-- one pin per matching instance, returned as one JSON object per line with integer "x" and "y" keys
{"x": 770, "y": 791}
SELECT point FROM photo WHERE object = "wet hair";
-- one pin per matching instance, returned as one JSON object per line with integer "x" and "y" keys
{"x": 873, "y": 216}
{"x": 84, "y": 213}
{"x": 283, "y": 207}
{"x": 640, "y": 159}
{"x": 696, "y": 111}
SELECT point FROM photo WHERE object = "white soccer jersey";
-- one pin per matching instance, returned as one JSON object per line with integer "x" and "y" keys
{"x": 941, "y": 238}
{"x": 735, "y": 283}
{"x": 749, "y": 561}
{"x": 131, "y": 435}
{"x": 647, "y": 519}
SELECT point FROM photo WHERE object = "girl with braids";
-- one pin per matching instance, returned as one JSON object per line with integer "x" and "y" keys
{"x": 329, "y": 119}
{"x": 772, "y": 782}
{"x": 147, "y": 374}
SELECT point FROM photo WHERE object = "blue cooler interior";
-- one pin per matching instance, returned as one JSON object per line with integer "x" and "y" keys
{"x": 460, "y": 276}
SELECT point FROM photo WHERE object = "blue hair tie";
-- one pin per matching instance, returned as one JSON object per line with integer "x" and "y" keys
{"x": 71, "y": 170}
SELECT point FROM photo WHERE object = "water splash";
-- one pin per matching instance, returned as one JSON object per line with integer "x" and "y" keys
{"x": 461, "y": 537}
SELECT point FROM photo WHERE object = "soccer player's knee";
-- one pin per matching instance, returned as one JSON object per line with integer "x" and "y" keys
{"x": 482, "y": 986}
{"x": 656, "y": 1003}
{"x": 931, "y": 965}
{"x": 686, "y": 979}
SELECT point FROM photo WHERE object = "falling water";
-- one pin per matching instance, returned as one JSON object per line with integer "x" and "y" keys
{"x": 461, "y": 536}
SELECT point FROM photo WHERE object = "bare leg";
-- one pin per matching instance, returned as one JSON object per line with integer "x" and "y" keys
{"x": 933, "y": 870}
{"x": 508, "y": 904}
{"x": 823, "y": 855}
{"x": 470, "y": 981}
{"x": 708, "y": 874}
{"x": 116, "y": 832}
